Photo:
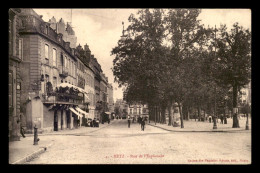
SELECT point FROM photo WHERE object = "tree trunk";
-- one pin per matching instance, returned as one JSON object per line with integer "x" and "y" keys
{"x": 163, "y": 115}
{"x": 188, "y": 115}
{"x": 155, "y": 115}
{"x": 199, "y": 118}
{"x": 169, "y": 114}
{"x": 180, "y": 109}
{"x": 235, "y": 108}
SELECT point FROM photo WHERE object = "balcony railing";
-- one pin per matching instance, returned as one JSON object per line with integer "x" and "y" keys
{"x": 64, "y": 72}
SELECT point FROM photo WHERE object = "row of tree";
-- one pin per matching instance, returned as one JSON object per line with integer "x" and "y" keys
{"x": 166, "y": 56}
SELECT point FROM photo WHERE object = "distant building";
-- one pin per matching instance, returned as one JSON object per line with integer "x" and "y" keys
{"x": 246, "y": 94}
{"x": 103, "y": 92}
{"x": 97, "y": 80}
{"x": 136, "y": 110}
{"x": 110, "y": 92}
{"x": 121, "y": 107}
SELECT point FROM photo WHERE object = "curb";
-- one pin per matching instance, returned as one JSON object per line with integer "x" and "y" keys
{"x": 33, "y": 155}
{"x": 229, "y": 131}
{"x": 73, "y": 133}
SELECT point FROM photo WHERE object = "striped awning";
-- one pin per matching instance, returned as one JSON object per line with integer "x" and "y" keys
{"x": 75, "y": 112}
{"x": 82, "y": 112}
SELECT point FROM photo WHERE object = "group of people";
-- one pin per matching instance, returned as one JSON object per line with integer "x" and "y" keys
{"x": 223, "y": 119}
{"x": 141, "y": 120}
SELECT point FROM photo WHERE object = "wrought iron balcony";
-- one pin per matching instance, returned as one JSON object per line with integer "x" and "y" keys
{"x": 64, "y": 72}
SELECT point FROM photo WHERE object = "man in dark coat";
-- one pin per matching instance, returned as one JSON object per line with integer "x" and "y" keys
{"x": 139, "y": 120}
{"x": 142, "y": 123}
{"x": 221, "y": 118}
{"x": 129, "y": 121}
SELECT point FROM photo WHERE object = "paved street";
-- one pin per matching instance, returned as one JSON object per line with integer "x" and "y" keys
{"x": 118, "y": 144}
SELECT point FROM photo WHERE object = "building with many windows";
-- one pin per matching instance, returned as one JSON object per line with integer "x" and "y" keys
{"x": 48, "y": 75}
{"x": 86, "y": 78}
{"x": 97, "y": 80}
{"x": 103, "y": 91}
{"x": 136, "y": 110}
{"x": 53, "y": 83}
{"x": 111, "y": 106}
{"x": 246, "y": 94}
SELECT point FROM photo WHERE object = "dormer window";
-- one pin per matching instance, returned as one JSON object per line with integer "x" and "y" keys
{"x": 46, "y": 29}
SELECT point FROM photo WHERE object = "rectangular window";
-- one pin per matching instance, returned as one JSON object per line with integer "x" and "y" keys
{"x": 65, "y": 62}
{"x": 46, "y": 30}
{"x": 47, "y": 78}
{"x": 54, "y": 55}
{"x": 73, "y": 69}
{"x": 10, "y": 37}
{"x": 20, "y": 53}
{"x": 54, "y": 82}
{"x": 10, "y": 85}
{"x": 46, "y": 51}
{"x": 69, "y": 67}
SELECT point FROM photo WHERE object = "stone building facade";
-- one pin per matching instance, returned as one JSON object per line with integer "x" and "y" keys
{"x": 14, "y": 78}
{"x": 48, "y": 61}
{"x": 86, "y": 78}
{"x": 97, "y": 80}
{"x": 52, "y": 83}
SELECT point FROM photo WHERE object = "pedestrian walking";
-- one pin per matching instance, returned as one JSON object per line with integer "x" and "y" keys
{"x": 78, "y": 122}
{"x": 225, "y": 119}
{"x": 21, "y": 126}
{"x": 142, "y": 123}
{"x": 139, "y": 119}
{"x": 210, "y": 118}
{"x": 129, "y": 121}
{"x": 221, "y": 118}
{"x": 22, "y": 131}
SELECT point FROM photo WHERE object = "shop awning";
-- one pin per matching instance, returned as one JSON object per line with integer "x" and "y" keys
{"x": 75, "y": 112}
{"x": 82, "y": 112}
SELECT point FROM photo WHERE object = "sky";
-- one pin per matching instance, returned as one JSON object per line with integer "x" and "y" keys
{"x": 101, "y": 29}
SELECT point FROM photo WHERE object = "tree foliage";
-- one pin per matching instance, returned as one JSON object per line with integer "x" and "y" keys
{"x": 167, "y": 56}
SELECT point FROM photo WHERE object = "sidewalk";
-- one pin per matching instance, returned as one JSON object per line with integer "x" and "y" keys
{"x": 23, "y": 151}
{"x": 198, "y": 126}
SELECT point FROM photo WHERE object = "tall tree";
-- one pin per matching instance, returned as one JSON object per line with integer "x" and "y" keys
{"x": 234, "y": 61}
{"x": 138, "y": 57}
{"x": 184, "y": 32}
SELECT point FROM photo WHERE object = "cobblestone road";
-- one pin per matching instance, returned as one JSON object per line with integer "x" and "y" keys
{"x": 118, "y": 144}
